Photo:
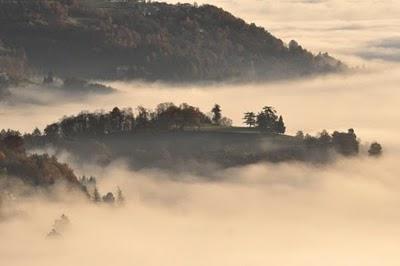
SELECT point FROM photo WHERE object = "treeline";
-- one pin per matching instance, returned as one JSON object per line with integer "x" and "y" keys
{"x": 267, "y": 120}
{"x": 344, "y": 143}
{"x": 179, "y": 42}
{"x": 166, "y": 116}
{"x": 44, "y": 170}
{"x": 89, "y": 186}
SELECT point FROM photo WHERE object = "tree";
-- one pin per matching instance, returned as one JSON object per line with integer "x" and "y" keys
{"x": 120, "y": 196}
{"x": 250, "y": 119}
{"x": 266, "y": 119}
{"x": 14, "y": 143}
{"x": 143, "y": 117}
{"x": 225, "y": 122}
{"x": 216, "y": 111}
{"x": 116, "y": 120}
{"x": 280, "y": 126}
{"x": 294, "y": 46}
{"x": 96, "y": 195}
{"x": 345, "y": 143}
{"x": 36, "y": 132}
{"x": 300, "y": 135}
{"x": 52, "y": 131}
{"x": 375, "y": 149}
{"x": 324, "y": 138}
{"x": 109, "y": 198}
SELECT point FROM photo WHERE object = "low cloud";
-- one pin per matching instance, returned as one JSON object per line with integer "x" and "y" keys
{"x": 345, "y": 212}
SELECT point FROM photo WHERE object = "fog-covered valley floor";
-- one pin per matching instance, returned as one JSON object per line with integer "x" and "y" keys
{"x": 345, "y": 213}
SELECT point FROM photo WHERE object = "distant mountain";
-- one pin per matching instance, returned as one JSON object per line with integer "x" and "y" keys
{"x": 154, "y": 41}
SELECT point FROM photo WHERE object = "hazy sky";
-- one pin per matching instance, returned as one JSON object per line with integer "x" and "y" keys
{"x": 261, "y": 11}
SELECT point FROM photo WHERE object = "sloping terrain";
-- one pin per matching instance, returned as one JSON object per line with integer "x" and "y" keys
{"x": 154, "y": 41}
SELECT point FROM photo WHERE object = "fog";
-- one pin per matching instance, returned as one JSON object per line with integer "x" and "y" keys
{"x": 287, "y": 214}
{"x": 344, "y": 213}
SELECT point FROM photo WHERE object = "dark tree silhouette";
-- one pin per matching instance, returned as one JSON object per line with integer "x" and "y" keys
{"x": 109, "y": 198}
{"x": 96, "y": 195}
{"x": 300, "y": 135}
{"x": 143, "y": 117}
{"x": 36, "y": 132}
{"x": 324, "y": 138}
{"x": 52, "y": 131}
{"x": 346, "y": 143}
{"x": 375, "y": 149}
{"x": 14, "y": 143}
{"x": 167, "y": 116}
{"x": 250, "y": 119}
{"x": 280, "y": 126}
{"x": 266, "y": 119}
{"x": 217, "y": 114}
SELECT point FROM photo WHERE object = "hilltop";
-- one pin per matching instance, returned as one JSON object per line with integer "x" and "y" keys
{"x": 151, "y": 41}
{"x": 184, "y": 138}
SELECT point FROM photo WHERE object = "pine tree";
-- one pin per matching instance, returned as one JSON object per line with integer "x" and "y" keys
{"x": 216, "y": 114}
{"x": 280, "y": 126}
{"x": 266, "y": 119}
{"x": 250, "y": 119}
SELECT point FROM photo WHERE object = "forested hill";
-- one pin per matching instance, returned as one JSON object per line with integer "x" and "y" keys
{"x": 155, "y": 41}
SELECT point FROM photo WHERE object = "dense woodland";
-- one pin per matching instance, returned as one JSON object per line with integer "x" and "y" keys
{"x": 166, "y": 117}
{"x": 33, "y": 169}
{"x": 132, "y": 39}
{"x": 42, "y": 171}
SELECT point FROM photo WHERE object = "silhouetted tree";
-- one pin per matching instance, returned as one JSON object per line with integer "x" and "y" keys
{"x": 280, "y": 126}
{"x": 14, "y": 143}
{"x": 143, "y": 117}
{"x": 217, "y": 114}
{"x": 375, "y": 149}
{"x": 36, "y": 132}
{"x": 345, "y": 143}
{"x": 266, "y": 119}
{"x": 299, "y": 135}
{"x": 250, "y": 119}
{"x": 325, "y": 138}
{"x": 96, "y": 195}
{"x": 225, "y": 122}
{"x": 52, "y": 130}
{"x": 109, "y": 198}
{"x": 116, "y": 120}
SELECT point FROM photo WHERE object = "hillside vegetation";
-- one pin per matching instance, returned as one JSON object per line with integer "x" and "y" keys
{"x": 32, "y": 169}
{"x": 183, "y": 137}
{"x": 154, "y": 41}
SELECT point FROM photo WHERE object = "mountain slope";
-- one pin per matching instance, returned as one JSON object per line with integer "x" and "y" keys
{"x": 161, "y": 41}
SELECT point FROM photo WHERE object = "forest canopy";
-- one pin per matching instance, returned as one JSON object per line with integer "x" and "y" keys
{"x": 139, "y": 40}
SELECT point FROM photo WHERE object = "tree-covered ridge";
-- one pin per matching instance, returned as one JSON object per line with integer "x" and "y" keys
{"x": 33, "y": 169}
{"x": 165, "y": 117}
{"x": 150, "y": 41}
{"x": 171, "y": 134}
